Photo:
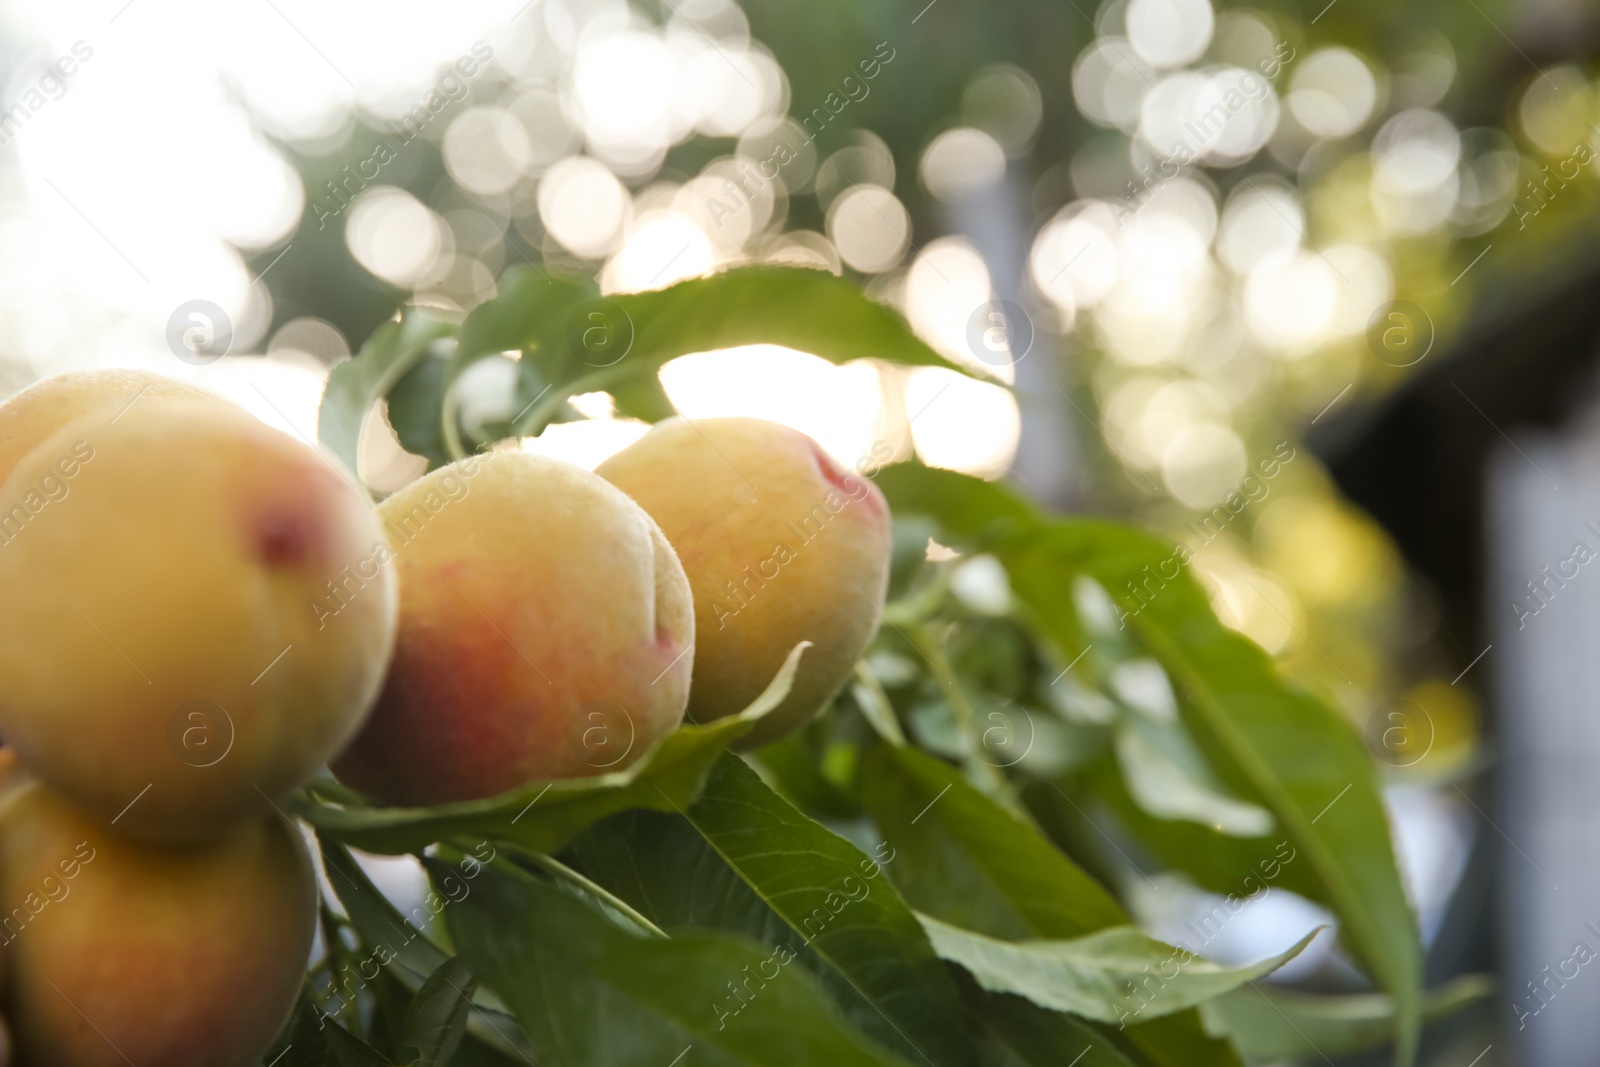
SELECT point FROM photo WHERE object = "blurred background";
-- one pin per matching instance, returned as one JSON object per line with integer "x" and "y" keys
{"x": 1308, "y": 287}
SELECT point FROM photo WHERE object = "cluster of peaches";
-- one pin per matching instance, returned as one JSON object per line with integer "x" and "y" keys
{"x": 201, "y": 612}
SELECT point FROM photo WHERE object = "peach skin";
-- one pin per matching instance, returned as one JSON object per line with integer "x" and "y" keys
{"x": 781, "y": 545}
{"x": 546, "y": 631}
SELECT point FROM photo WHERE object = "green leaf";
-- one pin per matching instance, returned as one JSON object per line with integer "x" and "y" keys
{"x": 475, "y": 1053}
{"x": 1167, "y": 776}
{"x": 742, "y": 859}
{"x": 545, "y": 816}
{"x": 375, "y": 918}
{"x": 414, "y": 405}
{"x": 1179, "y": 1040}
{"x": 1285, "y": 1024}
{"x": 642, "y": 398}
{"x": 1225, "y": 865}
{"x": 386, "y": 1019}
{"x": 810, "y": 310}
{"x": 1271, "y": 743}
{"x": 437, "y": 1019}
{"x": 530, "y": 314}
{"x": 351, "y": 1051}
{"x": 358, "y": 383}
{"x": 875, "y": 705}
{"x": 399, "y": 940}
{"x": 1115, "y": 975}
{"x": 1021, "y": 1034}
{"x": 304, "y": 1041}
{"x": 593, "y": 995}
{"x": 960, "y": 857}
{"x": 959, "y": 504}
{"x": 531, "y": 308}
{"x": 543, "y": 316}
{"x": 795, "y": 772}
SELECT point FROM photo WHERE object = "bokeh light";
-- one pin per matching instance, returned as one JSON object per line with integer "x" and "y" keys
{"x": 584, "y": 206}
{"x": 396, "y": 236}
{"x": 1169, "y": 33}
{"x": 871, "y": 228}
{"x": 1332, "y": 93}
{"x": 961, "y": 162}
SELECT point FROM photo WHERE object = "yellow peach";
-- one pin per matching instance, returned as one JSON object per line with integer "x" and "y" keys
{"x": 121, "y": 952}
{"x": 781, "y": 545}
{"x": 45, "y": 406}
{"x": 198, "y": 614}
{"x": 546, "y": 631}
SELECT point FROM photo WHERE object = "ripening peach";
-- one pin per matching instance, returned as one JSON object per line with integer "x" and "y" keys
{"x": 44, "y": 407}
{"x": 198, "y": 615}
{"x": 546, "y": 631}
{"x": 781, "y": 545}
{"x": 120, "y": 952}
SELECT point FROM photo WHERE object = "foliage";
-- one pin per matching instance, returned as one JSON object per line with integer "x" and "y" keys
{"x": 917, "y": 877}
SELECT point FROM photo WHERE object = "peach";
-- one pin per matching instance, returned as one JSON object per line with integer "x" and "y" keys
{"x": 45, "y": 406}
{"x": 546, "y": 631}
{"x": 781, "y": 545}
{"x": 198, "y": 615}
{"x": 121, "y": 952}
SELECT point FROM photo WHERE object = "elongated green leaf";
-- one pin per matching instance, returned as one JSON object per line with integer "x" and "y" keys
{"x": 304, "y": 1040}
{"x": 593, "y": 995}
{"x": 875, "y": 705}
{"x": 545, "y": 816}
{"x": 795, "y": 773}
{"x": 437, "y": 1019}
{"x": 542, "y": 815}
{"x": 1271, "y": 743}
{"x": 359, "y": 382}
{"x": 574, "y": 341}
{"x": 642, "y": 398}
{"x": 531, "y": 313}
{"x": 350, "y": 1051}
{"x": 1021, "y": 1034}
{"x": 386, "y": 1019}
{"x": 1223, "y": 864}
{"x": 963, "y": 859}
{"x": 742, "y": 859}
{"x": 414, "y": 405}
{"x": 811, "y": 310}
{"x": 530, "y": 309}
{"x": 1178, "y": 1040}
{"x": 474, "y": 1053}
{"x": 1116, "y": 975}
{"x": 1165, "y": 774}
{"x": 378, "y": 921}
{"x": 1284, "y": 1024}
{"x": 399, "y": 941}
